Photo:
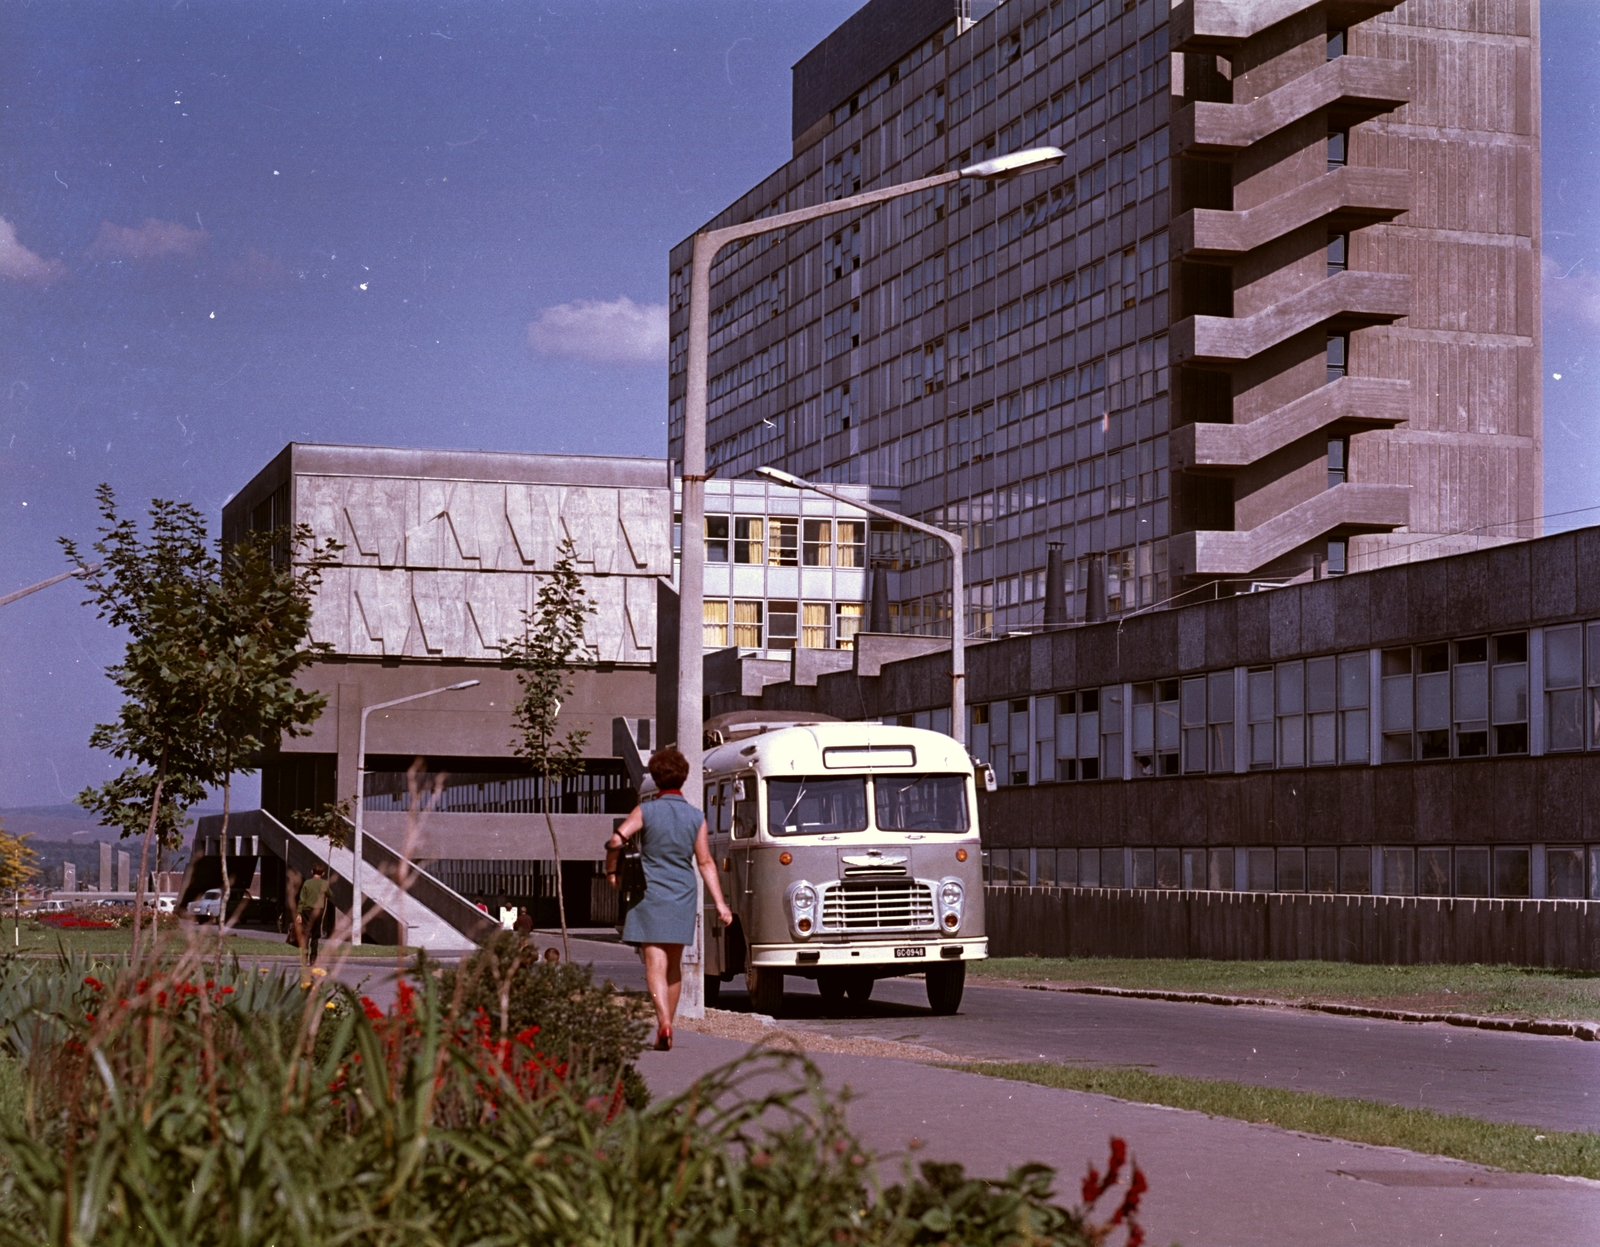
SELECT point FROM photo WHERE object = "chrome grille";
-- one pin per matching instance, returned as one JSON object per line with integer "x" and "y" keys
{"x": 879, "y": 905}
{"x": 874, "y": 872}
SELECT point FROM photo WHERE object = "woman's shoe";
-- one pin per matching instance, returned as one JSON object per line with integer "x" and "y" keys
{"x": 664, "y": 1039}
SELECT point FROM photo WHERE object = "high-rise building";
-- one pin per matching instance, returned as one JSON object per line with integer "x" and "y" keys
{"x": 1276, "y": 316}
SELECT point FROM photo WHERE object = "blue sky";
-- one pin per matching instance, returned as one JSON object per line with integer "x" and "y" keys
{"x": 225, "y": 226}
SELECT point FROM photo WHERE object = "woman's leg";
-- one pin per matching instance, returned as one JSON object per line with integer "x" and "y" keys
{"x": 662, "y": 979}
{"x": 674, "y": 978}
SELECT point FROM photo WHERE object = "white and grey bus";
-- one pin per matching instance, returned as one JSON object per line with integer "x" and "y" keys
{"x": 849, "y": 853}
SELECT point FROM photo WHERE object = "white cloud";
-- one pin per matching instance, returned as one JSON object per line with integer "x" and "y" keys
{"x": 17, "y": 263}
{"x": 151, "y": 241}
{"x": 618, "y": 332}
{"x": 1571, "y": 295}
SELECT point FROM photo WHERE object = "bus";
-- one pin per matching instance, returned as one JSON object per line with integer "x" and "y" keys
{"x": 849, "y": 853}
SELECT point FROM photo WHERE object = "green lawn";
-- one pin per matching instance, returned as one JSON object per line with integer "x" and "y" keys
{"x": 1568, "y": 994}
{"x": 1522, "y": 1149}
{"x": 36, "y": 938}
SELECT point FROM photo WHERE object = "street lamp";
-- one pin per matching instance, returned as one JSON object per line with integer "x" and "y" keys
{"x": 691, "y": 575}
{"x": 361, "y": 788}
{"x": 958, "y": 605}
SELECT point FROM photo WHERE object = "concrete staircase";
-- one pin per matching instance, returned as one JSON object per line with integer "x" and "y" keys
{"x": 402, "y": 903}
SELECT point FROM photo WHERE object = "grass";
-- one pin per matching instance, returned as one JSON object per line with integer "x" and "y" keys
{"x": 1520, "y": 1149}
{"x": 37, "y": 938}
{"x": 1485, "y": 990}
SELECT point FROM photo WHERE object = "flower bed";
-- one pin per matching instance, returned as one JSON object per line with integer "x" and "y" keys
{"x": 74, "y": 920}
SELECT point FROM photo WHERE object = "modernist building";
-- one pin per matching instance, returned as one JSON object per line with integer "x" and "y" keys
{"x": 442, "y": 555}
{"x": 1430, "y": 729}
{"x": 1276, "y": 315}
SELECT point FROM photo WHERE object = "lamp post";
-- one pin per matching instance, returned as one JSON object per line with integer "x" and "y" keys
{"x": 361, "y": 788}
{"x": 691, "y": 575}
{"x": 958, "y": 603}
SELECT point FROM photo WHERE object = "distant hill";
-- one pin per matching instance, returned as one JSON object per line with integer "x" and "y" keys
{"x": 67, "y": 823}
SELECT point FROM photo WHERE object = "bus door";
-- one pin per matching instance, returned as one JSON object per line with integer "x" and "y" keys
{"x": 744, "y": 793}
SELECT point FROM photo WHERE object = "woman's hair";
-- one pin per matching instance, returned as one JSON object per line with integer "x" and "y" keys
{"x": 668, "y": 768}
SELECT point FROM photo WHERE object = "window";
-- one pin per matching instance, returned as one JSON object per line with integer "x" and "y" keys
{"x": 814, "y": 804}
{"x": 1563, "y": 682}
{"x": 1291, "y": 714}
{"x": 1510, "y": 872}
{"x": 783, "y": 625}
{"x": 716, "y": 625}
{"x": 843, "y": 253}
{"x": 1077, "y": 735}
{"x": 1259, "y": 716}
{"x": 1338, "y": 356}
{"x": 816, "y": 549}
{"x": 847, "y": 623}
{"x": 1338, "y": 461}
{"x": 1472, "y": 872}
{"x": 842, "y": 174}
{"x": 1336, "y": 42}
{"x": 1192, "y": 720}
{"x": 1220, "y": 714}
{"x": 1564, "y": 872}
{"x": 1322, "y": 723}
{"x": 1338, "y": 148}
{"x": 1470, "y": 697}
{"x": 783, "y": 542}
{"x": 1433, "y": 700}
{"x": 1396, "y": 706}
{"x": 1338, "y": 253}
{"x": 1433, "y": 872}
{"x": 1399, "y": 872}
{"x": 1508, "y": 709}
{"x": 1322, "y": 870}
{"x": 1155, "y": 728}
{"x": 749, "y": 544}
{"x": 1291, "y": 870}
{"x": 814, "y": 628}
{"x": 841, "y": 330}
{"x": 716, "y": 538}
{"x": 1220, "y": 871}
{"x": 851, "y": 543}
{"x": 747, "y": 625}
{"x": 1338, "y": 556}
{"x": 1354, "y": 690}
{"x": 1355, "y": 870}
{"x": 1111, "y": 732}
{"x": 920, "y": 802}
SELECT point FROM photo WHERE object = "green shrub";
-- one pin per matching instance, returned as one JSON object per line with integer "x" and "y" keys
{"x": 580, "y": 1021}
{"x": 171, "y": 1115}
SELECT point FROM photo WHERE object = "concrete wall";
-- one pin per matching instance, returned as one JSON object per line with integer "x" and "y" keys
{"x": 1259, "y": 926}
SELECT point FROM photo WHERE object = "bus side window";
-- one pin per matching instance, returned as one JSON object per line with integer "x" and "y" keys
{"x": 746, "y": 809}
{"x": 710, "y": 808}
{"x": 724, "y": 809}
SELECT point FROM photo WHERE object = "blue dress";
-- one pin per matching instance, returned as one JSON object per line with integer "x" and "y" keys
{"x": 665, "y": 914}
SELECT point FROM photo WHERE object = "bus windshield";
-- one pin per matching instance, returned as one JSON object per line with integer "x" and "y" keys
{"x": 920, "y": 802}
{"x": 814, "y": 804}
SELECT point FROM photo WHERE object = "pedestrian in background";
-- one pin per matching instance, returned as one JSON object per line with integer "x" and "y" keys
{"x": 313, "y": 902}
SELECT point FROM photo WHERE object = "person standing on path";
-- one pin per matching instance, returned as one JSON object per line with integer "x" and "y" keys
{"x": 662, "y": 922}
{"x": 312, "y": 902}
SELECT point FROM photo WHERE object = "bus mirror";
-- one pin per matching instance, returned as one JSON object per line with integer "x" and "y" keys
{"x": 987, "y": 771}
{"x": 738, "y": 790}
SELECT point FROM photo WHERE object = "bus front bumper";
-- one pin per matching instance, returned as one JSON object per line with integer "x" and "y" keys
{"x": 907, "y": 955}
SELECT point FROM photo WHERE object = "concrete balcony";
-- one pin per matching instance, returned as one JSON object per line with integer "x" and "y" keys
{"x": 1352, "y": 88}
{"x": 1221, "y": 25}
{"x": 1344, "y": 509}
{"x": 1349, "y": 405}
{"x": 1346, "y": 199}
{"x": 1345, "y": 300}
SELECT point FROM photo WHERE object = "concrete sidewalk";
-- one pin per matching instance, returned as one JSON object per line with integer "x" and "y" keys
{"x": 1214, "y": 1182}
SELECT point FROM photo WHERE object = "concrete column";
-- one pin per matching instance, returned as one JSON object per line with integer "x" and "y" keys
{"x": 105, "y": 867}
{"x": 124, "y": 870}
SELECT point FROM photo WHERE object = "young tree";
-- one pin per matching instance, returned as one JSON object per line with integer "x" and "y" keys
{"x": 258, "y": 618}
{"x": 19, "y": 864}
{"x": 155, "y": 588}
{"x": 551, "y": 646}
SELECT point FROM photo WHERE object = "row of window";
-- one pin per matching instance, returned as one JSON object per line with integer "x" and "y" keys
{"x": 1466, "y": 698}
{"x": 785, "y": 541}
{"x": 781, "y": 625}
{"x": 765, "y": 436}
{"x": 1554, "y": 871}
{"x": 756, "y": 374}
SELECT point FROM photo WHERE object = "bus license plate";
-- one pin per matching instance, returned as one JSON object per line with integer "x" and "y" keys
{"x": 911, "y": 952}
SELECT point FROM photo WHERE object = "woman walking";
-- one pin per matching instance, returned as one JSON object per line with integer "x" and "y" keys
{"x": 662, "y": 922}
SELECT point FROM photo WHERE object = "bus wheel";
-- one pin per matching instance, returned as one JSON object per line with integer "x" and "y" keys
{"x": 831, "y": 987}
{"x": 859, "y": 988}
{"x": 713, "y": 991}
{"x": 945, "y": 983}
{"x": 765, "y": 986}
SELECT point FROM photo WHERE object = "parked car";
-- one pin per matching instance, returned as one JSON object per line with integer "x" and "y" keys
{"x": 54, "y": 906}
{"x": 166, "y": 904}
{"x": 208, "y": 908}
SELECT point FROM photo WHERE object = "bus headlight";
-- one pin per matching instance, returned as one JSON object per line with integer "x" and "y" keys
{"x": 952, "y": 896}
{"x": 802, "y": 909}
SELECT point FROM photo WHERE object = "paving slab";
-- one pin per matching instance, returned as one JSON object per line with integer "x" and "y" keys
{"x": 1214, "y": 1182}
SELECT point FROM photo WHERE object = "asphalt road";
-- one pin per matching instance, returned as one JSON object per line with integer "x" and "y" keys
{"x": 1538, "y": 1080}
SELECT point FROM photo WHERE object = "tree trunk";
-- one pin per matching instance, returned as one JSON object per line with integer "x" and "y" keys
{"x": 223, "y": 922}
{"x": 144, "y": 853}
{"x": 561, "y": 894}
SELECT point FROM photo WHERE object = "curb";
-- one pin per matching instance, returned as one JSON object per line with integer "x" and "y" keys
{"x": 1523, "y": 1026}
